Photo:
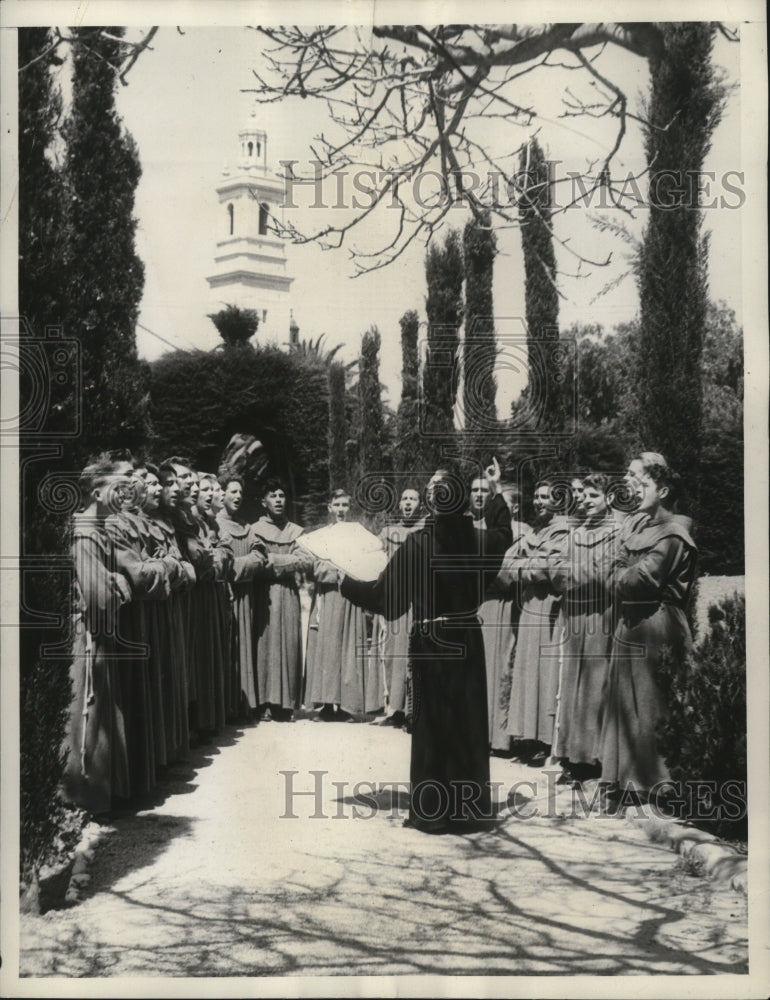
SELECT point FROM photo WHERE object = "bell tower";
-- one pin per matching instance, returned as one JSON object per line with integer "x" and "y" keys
{"x": 250, "y": 259}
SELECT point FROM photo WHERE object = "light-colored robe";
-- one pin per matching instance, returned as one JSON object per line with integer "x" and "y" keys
{"x": 96, "y": 766}
{"x": 339, "y": 668}
{"x": 585, "y": 627}
{"x": 499, "y": 614}
{"x": 248, "y": 557}
{"x": 277, "y": 618}
{"x": 162, "y": 543}
{"x": 536, "y": 661}
{"x": 138, "y": 672}
{"x": 650, "y": 582}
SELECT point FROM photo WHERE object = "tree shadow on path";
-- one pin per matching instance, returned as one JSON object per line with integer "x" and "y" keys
{"x": 503, "y": 903}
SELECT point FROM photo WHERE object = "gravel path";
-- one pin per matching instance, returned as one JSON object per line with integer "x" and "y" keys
{"x": 213, "y": 879}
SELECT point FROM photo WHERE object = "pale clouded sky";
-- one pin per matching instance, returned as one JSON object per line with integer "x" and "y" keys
{"x": 184, "y": 107}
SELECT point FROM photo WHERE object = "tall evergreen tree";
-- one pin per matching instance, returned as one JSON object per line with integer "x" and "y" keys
{"x": 46, "y": 407}
{"x": 408, "y": 442}
{"x": 479, "y": 348}
{"x": 372, "y": 425}
{"x": 105, "y": 276}
{"x": 48, "y": 399}
{"x": 78, "y": 273}
{"x": 444, "y": 306}
{"x": 40, "y": 190}
{"x": 720, "y": 535}
{"x": 541, "y": 297}
{"x": 686, "y": 104}
{"x": 338, "y": 430}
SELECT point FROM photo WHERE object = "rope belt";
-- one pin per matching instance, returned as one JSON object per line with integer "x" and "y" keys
{"x": 459, "y": 618}
{"x": 88, "y": 700}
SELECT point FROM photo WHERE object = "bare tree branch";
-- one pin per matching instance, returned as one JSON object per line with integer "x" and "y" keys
{"x": 406, "y": 99}
{"x": 57, "y": 40}
{"x": 129, "y": 51}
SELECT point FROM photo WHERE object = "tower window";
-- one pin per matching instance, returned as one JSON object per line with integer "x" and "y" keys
{"x": 231, "y": 216}
{"x": 264, "y": 211}
{"x": 251, "y": 149}
{"x": 259, "y": 148}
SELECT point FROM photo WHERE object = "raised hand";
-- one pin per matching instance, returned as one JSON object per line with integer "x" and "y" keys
{"x": 492, "y": 473}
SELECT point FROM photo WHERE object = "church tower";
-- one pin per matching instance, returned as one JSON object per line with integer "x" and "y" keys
{"x": 250, "y": 261}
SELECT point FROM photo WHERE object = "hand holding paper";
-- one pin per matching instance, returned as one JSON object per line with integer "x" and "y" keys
{"x": 350, "y": 547}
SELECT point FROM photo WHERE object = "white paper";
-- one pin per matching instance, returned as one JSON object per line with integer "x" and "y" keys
{"x": 352, "y": 549}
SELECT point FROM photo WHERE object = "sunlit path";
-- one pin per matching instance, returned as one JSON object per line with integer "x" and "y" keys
{"x": 217, "y": 881}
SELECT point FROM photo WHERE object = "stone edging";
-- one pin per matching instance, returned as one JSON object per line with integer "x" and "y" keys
{"x": 720, "y": 862}
{"x": 84, "y": 853}
{"x": 716, "y": 860}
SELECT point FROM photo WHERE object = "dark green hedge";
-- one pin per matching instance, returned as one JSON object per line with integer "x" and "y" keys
{"x": 199, "y": 399}
{"x": 703, "y": 735}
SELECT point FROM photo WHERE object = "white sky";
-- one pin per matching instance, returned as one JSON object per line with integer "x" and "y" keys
{"x": 184, "y": 107}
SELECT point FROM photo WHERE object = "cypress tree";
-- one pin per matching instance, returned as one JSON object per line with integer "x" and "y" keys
{"x": 720, "y": 536}
{"x": 45, "y": 407}
{"x": 40, "y": 194}
{"x": 444, "y": 276}
{"x": 78, "y": 273}
{"x": 42, "y": 281}
{"x": 541, "y": 297}
{"x": 479, "y": 349}
{"x": 338, "y": 432}
{"x": 105, "y": 276}
{"x": 372, "y": 425}
{"x": 686, "y": 104}
{"x": 408, "y": 447}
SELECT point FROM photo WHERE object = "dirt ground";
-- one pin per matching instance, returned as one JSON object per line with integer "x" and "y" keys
{"x": 215, "y": 878}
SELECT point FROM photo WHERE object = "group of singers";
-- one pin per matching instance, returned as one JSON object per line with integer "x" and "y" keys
{"x": 483, "y": 634}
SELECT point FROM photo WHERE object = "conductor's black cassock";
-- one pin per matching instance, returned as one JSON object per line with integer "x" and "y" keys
{"x": 441, "y": 572}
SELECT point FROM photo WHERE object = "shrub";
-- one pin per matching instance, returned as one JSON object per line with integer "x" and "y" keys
{"x": 43, "y": 714}
{"x": 200, "y": 399}
{"x": 703, "y": 736}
